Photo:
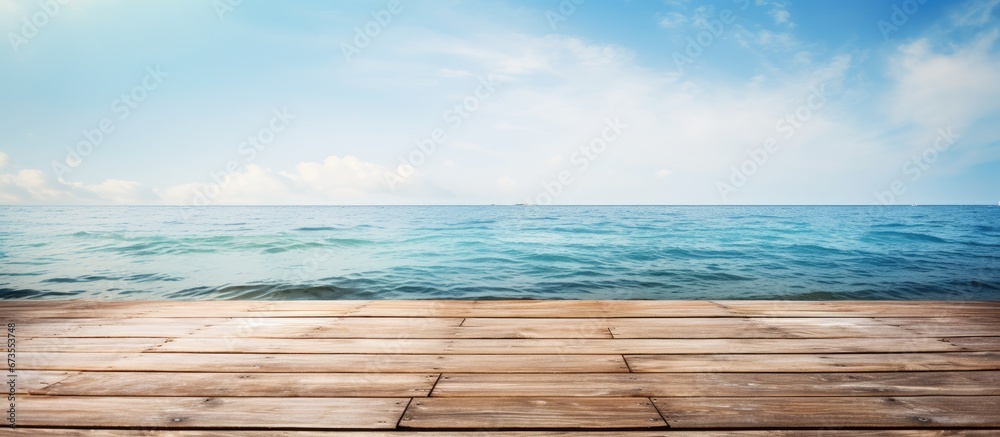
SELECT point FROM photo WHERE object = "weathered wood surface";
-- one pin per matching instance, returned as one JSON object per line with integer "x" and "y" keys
{"x": 213, "y": 384}
{"x": 49, "y": 432}
{"x": 825, "y": 412}
{"x": 584, "y": 413}
{"x": 717, "y": 384}
{"x": 544, "y": 346}
{"x": 319, "y": 363}
{"x": 201, "y": 412}
{"x": 516, "y": 368}
{"x": 871, "y": 362}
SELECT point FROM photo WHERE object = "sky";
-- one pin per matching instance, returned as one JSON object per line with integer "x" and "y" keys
{"x": 221, "y": 102}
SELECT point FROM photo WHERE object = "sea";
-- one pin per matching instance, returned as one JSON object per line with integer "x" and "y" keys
{"x": 500, "y": 252}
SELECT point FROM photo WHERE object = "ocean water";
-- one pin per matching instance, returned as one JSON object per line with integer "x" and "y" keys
{"x": 418, "y": 252}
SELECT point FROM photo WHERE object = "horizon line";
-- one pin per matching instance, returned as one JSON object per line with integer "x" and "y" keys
{"x": 490, "y": 204}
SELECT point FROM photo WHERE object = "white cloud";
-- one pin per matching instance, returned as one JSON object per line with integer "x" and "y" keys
{"x": 4, "y": 160}
{"x": 940, "y": 89}
{"x": 113, "y": 190}
{"x": 334, "y": 180}
{"x": 672, "y": 20}
{"x": 346, "y": 177}
{"x": 557, "y": 93}
{"x": 781, "y": 16}
{"x": 775, "y": 40}
{"x": 32, "y": 186}
{"x": 974, "y": 13}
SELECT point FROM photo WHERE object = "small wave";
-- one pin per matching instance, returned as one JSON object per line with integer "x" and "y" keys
{"x": 12, "y": 293}
{"x": 315, "y": 229}
{"x": 279, "y": 292}
{"x": 880, "y": 236}
{"x": 679, "y": 253}
{"x": 889, "y": 225}
{"x": 20, "y": 274}
{"x": 89, "y": 278}
{"x": 986, "y": 228}
{"x": 577, "y": 230}
{"x": 291, "y": 247}
{"x": 815, "y": 249}
{"x": 348, "y": 242}
{"x": 551, "y": 258}
{"x": 720, "y": 277}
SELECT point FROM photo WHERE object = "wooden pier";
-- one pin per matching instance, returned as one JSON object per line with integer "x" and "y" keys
{"x": 519, "y": 368}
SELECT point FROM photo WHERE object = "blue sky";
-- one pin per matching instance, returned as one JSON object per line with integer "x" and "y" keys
{"x": 452, "y": 102}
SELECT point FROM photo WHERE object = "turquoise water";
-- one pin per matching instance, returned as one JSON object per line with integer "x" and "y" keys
{"x": 500, "y": 252}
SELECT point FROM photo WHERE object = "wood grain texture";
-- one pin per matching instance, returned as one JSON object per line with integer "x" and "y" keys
{"x": 513, "y": 413}
{"x": 724, "y": 368}
{"x": 67, "y": 344}
{"x": 41, "y": 432}
{"x": 30, "y": 381}
{"x": 904, "y": 309}
{"x": 221, "y": 412}
{"x": 242, "y": 384}
{"x": 825, "y": 412}
{"x": 870, "y": 362}
{"x": 570, "y": 346}
{"x": 720, "y": 384}
{"x": 320, "y": 363}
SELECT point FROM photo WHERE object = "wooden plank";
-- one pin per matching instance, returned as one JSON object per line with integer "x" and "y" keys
{"x": 834, "y": 304}
{"x": 333, "y": 327}
{"x": 262, "y": 310}
{"x": 949, "y": 326}
{"x": 114, "y": 328}
{"x": 317, "y": 363}
{"x": 51, "y": 432}
{"x": 62, "y": 344}
{"x": 396, "y": 327}
{"x": 28, "y": 307}
{"x": 28, "y": 381}
{"x": 564, "y": 346}
{"x": 860, "y": 308}
{"x": 69, "y": 360}
{"x": 542, "y": 308}
{"x": 530, "y": 332}
{"x": 539, "y": 413}
{"x": 317, "y": 385}
{"x": 869, "y": 362}
{"x": 129, "y": 322}
{"x": 828, "y": 412}
{"x": 976, "y": 343}
{"x": 222, "y": 412}
{"x": 886, "y": 327}
{"x": 388, "y": 327}
{"x": 720, "y": 384}
{"x": 740, "y": 327}
{"x": 760, "y": 327}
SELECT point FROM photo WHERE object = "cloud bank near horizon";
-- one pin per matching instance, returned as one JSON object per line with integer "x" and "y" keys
{"x": 731, "y": 102}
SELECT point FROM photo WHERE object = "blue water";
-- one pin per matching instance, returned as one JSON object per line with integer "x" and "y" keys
{"x": 500, "y": 252}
